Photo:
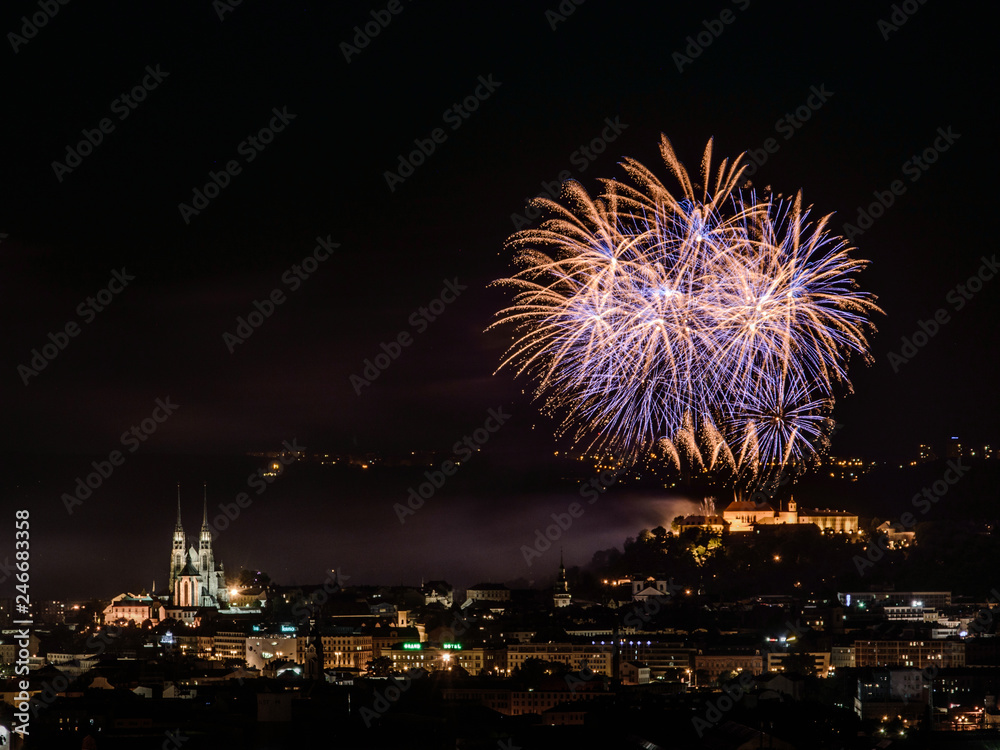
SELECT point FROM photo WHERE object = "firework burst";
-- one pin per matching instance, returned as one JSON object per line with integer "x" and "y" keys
{"x": 713, "y": 323}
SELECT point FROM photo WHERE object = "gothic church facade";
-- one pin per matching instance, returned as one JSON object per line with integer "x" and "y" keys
{"x": 195, "y": 581}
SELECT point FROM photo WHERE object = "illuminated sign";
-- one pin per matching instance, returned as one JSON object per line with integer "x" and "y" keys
{"x": 411, "y": 646}
{"x": 456, "y": 646}
{"x": 287, "y": 628}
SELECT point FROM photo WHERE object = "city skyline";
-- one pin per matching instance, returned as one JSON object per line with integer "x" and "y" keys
{"x": 722, "y": 470}
{"x": 413, "y": 542}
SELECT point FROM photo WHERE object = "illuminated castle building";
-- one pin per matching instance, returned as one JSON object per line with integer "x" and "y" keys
{"x": 743, "y": 515}
{"x": 195, "y": 581}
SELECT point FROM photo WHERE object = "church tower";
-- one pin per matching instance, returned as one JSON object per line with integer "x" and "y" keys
{"x": 210, "y": 577}
{"x": 560, "y": 595}
{"x": 313, "y": 662}
{"x": 177, "y": 552}
{"x": 206, "y": 560}
{"x": 790, "y": 514}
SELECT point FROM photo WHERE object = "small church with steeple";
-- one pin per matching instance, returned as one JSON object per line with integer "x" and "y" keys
{"x": 195, "y": 581}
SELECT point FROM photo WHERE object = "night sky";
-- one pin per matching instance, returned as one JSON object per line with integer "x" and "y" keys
{"x": 211, "y": 83}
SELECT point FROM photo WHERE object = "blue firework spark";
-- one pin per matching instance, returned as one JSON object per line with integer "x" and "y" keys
{"x": 715, "y": 322}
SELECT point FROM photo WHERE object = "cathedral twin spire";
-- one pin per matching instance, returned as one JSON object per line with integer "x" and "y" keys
{"x": 188, "y": 562}
{"x": 204, "y": 513}
{"x": 179, "y": 526}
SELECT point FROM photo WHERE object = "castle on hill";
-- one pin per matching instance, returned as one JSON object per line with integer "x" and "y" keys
{"x": 742, "y": 516}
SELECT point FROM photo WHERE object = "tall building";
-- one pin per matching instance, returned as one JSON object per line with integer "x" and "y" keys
{"x": 560, "y": 595}
{"x": 195, "y": 581}
{"x": 313, "y": 658}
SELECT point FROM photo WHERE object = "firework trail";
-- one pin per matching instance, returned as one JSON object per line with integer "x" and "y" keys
{"x": 711, "y": 324}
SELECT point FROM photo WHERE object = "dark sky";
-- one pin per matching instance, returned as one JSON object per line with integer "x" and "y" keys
{"x": 323, "y": 175}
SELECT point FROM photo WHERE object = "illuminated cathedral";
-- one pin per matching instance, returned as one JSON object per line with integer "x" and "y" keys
{"x": 195, "y": 581}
